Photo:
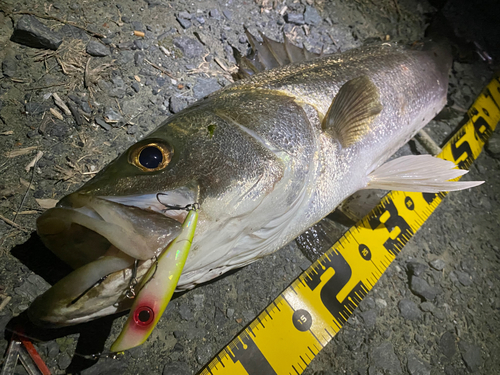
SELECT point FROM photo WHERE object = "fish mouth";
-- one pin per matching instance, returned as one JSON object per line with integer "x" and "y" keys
{"x": 109, "y": 241}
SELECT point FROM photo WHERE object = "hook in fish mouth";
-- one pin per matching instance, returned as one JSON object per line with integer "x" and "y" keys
{"x": 106, "y": 240}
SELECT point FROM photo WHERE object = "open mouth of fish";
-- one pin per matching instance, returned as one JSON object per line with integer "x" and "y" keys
{"x": 110, "y": 242}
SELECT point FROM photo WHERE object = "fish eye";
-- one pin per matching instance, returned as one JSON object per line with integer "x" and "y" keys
{"x": 150, "y": 157}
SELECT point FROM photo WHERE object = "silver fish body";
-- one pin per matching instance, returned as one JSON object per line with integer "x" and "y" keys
{"x": 257, "y": 158}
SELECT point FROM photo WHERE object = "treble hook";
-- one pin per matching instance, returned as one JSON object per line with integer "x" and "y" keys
{"x": 192, "y": 206}
{"x": 133, "y": 281}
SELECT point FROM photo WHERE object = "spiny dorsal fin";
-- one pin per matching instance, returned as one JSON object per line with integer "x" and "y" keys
{"x": 352, "y": 110}
{"x": 268, "y": 55}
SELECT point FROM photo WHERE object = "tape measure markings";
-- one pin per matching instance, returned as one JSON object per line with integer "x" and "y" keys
{"x": 299, "y": 323}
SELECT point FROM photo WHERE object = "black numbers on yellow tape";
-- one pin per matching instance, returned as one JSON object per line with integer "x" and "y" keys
{"x": 294, "y": 328}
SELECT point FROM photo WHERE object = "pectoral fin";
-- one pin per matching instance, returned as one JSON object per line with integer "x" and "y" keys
{"x": 352, "y": 110}
{"x": 419, "y": 173}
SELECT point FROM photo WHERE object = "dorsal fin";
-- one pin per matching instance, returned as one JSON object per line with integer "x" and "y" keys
{"x": 269, "y": 55}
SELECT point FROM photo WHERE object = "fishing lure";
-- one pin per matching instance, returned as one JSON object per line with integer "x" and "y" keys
{"x": 157, "y": 286}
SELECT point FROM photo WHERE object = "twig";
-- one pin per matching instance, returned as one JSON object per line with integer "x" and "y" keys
{"x": 11, "y": 223}
{"x": 427, "y": 142}
{"x": 160, "y": 68}
{"x": 97, "y": 35}
{"x": 45, "y": 87}
{"x": 58, "y": 101}
{"x": 5, "y": 302}
{"x": 27, "y": 192}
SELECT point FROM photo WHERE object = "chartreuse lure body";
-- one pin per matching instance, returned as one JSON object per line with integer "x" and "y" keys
{"x": 156, "y": 288}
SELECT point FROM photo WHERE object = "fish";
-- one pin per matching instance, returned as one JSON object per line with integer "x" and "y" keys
{"x": 265, "y": 158}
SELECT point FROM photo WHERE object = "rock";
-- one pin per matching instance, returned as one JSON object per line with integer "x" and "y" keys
{"x": 132, "y": 129}
{"x": 32, "y": 287}
{"x": 59, "y": 130}
{"x": 369, "y": 317}
{"x": 186, "y": 24}
{"x": 416, "y": 268}
{"x": 103, "y": 124}
{"x": 135, "y": 86}
{"x": 204, "y": 87}
{"x": 185, "y": 15}
{"x": 228, "y": 14}
{"x": 447, "y": 344}
{"x": 381, "y": 303}
{"x": 35, "y": 108}
{"x": 176, "y": 368}
{"x": 367, "y": 304}
{"x": 312, "y": 17}
{"x": 409, "y": 309}
{"x": 118, "y": 82}
{"x": 111, "y": 116}
{"x": 493, "y": 145}
{"x": 52, "y": 349}
{"x": 138, "y": 26}
{"x": 421, "y": 288}
{"x": 383, "y": 357}
{"x": 177, "y": 104}
{"x": 438, "y": 264}
{"x": 199, "y": 300}
{"x": 31, "y": 32}
{"x": 190, "y": 47}
{"x": 295, "y": 18}
{"x": 219, "y": 317}
{"x": 427, "y": 306}
{"x": 185, "y": 312}
{"x": 63, "y": 361}
{"x": 72, "y": 32}
{"x": 106, "y": 367}
{"x": 417, "y": 366}
{"x": 94, "y": 48}
{"x": 203, "y": 353}
{"x": 139, "y": 58}
{"x": 463, "y": 278}
{"x": 471, "y": 355}
{"x": 214, "y": 13}
{"x": 4, "y": 319}
{"x": 9, "y": 67}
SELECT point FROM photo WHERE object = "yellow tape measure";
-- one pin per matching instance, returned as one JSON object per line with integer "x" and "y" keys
{"x": 294, "y": 328}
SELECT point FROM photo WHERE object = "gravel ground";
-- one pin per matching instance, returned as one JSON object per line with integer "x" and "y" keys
{"x": 130, "y": 65}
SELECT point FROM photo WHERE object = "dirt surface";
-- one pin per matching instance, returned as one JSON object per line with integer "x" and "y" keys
{"x": 131, "y": 64}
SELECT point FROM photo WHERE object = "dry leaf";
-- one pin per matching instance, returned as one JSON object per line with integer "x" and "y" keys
{"x": 47, "y": 203}
{"x": 56, "y": 113}
{"x": 7, "y": 132}
{"x": 32, "y": 163}
{"x": 58, "y": 101}
{"x": 21, "y": 151}
{"x": 26, "y": 183}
